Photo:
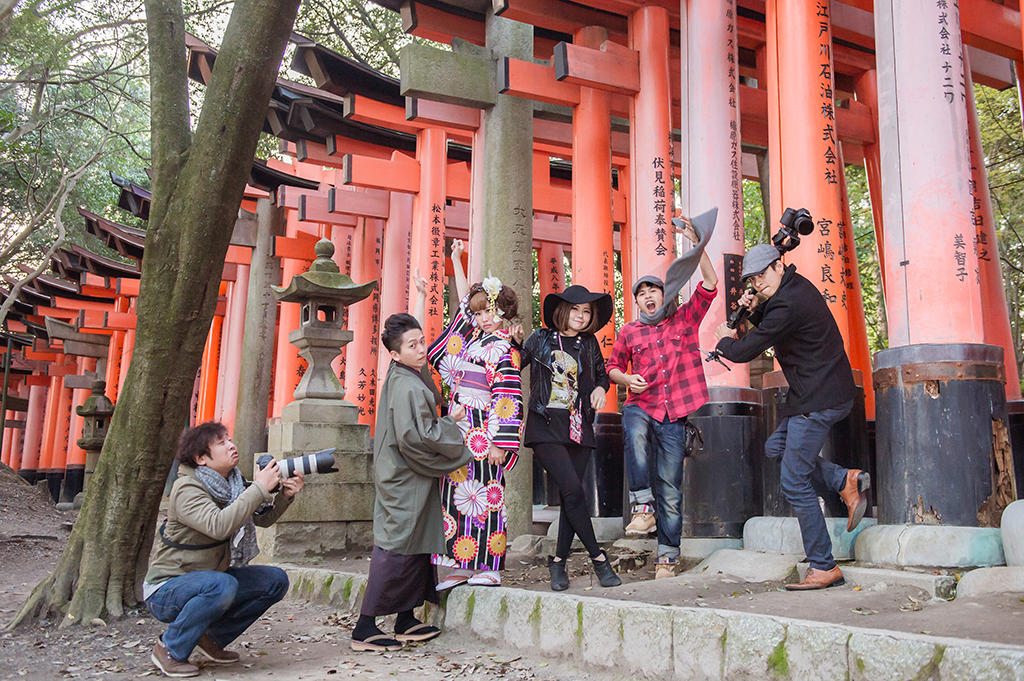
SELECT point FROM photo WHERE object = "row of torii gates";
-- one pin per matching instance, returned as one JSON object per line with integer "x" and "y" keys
{"x": 557, "y": 127}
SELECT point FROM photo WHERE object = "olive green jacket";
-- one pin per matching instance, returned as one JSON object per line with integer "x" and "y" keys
{"x": 412, "y": 448}
{"x": 194, "y": 518}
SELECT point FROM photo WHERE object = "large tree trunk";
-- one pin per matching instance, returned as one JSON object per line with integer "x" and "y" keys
{"x": 197, "y": 187}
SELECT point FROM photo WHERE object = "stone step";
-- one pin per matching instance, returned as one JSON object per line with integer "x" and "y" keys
{"x": 671, "y": 642}
{"x": 934, "y": 546}
{"x": 782, "y": 535}
{"x": 992, "y": 580}
{"x": 935, "y": 586}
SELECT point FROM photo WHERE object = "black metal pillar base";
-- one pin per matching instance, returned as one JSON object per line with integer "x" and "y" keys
{"x": 605, "y": 476}
{"x": 29, "y": 475}
{"x": 721, "y": 489}
{"x": 934, "y": 406}
{"x": 846, "y": 445}
{"x": 53, "y": 483}
{"x": 74, "y": 480}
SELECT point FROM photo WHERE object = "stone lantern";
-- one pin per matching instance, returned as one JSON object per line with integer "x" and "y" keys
{"x": 334, "y": 513}
{"x": 324, "y": 293}
{"x": 95, "y": 412}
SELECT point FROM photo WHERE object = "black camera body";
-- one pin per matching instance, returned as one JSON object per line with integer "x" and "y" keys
{"x": 794, "y": 224}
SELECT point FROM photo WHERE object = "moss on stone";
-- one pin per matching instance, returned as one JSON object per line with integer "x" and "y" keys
{"x": 930, "y": 668}
{"x": 347, "y": 590}
{"x": 860, "y": 665}
{"x": 503, "y": 607}
{"x": 579, "y": 623}
{"x": 534, "y": 617}
{"x": 778, "y": 661}
{"x": 470, "y": 604}
{"x": 725, "y": 635}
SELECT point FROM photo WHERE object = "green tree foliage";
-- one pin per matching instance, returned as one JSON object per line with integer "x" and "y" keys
{"x": 73, "y": 103}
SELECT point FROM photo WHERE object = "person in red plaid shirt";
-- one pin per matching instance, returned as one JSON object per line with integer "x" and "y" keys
{"x": 665, "y": 384}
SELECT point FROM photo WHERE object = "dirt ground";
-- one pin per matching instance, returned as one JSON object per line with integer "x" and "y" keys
{"x": 301, "y": 641}
{"x": 293, "y": 640}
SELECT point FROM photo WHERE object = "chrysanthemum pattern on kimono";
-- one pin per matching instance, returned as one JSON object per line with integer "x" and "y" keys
{"x": 482, "y": 371}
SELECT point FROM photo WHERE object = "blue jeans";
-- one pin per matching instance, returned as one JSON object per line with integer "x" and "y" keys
{"x": 657, "y": 446}
{"x": 219, "y": 604}
{"x": 798, "y": 440}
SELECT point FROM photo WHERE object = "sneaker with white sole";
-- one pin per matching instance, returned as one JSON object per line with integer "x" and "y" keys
{"x": 641, "y": 525}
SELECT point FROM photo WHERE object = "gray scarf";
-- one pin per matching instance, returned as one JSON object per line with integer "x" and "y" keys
{"x": 683, "y": 267}
{"x": 224, "y": 491}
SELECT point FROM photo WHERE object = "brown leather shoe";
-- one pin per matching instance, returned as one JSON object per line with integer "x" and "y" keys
{"x": 819, "y": 579}
{"x": 208, "y": 651}
{"x": 855, "y": 496}
{"x": 170, "y": 666}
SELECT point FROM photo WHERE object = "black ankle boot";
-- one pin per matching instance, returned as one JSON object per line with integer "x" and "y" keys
{"x": 559, "y": 576}
{"x": 604, "y": 572}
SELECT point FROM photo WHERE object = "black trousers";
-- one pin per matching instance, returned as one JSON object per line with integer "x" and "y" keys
{"x": 567, "y": 464}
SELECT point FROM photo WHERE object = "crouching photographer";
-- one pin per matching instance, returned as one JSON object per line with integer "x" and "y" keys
{"x": 789, "y": 314}
{"x": 200, "y": 582}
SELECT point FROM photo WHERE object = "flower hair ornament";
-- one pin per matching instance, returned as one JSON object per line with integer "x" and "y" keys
{"x": 492, "y": 287}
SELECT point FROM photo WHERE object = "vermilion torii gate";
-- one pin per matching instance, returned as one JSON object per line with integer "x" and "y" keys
{"x": 795, "y": 77}
{"x": 628, "y": 99}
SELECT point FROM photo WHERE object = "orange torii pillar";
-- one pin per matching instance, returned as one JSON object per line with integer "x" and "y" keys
{"x": 937, "y": 376}
{"x": 593, "y": 251}
{"x": 235, "y": 322}
{"x": 37, "y": 398}
{"x": 427, "y": 253}
{"x": 712, "y": 161}
{"x": 860, "y": 355}
{"x": 127, "y": 347}
{"x": 550, "y": 268}
{"x": 593, "y": 263}
{"x": 995, "y": 313}
{"x": 288, "y": 366}
{"x": 54, "y": 449}
{"x": 866, "y": 88}
{"x": 8, "y": 441}
{"x": 208, "y": 369}
{"x": 114, "y": 356}
{"x": 395, "y": 272}
{"x": 74, "y": 474}
{"x": 806, "y": 172}
{"x": 341, "y": 237}
{"x": 647, "y": 240}
{"x": 364, "y": 321}
{"x": 721, "y": 492}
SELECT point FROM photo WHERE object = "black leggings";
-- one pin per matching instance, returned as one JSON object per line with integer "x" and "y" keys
{"x": 567, "y": 464}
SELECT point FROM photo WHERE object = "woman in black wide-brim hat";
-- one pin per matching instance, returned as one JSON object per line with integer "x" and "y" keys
{"x": 567, "y": 386}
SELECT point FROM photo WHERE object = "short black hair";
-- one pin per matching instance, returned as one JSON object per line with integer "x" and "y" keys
{"x": 195, "y": 442}
{"x": 395, "y": 327}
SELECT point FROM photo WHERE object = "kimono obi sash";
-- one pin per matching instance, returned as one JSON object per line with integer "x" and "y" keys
{"x": 474, "y": 390}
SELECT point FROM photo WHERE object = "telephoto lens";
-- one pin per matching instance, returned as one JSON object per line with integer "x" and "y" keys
{"x": 307, "y": 464}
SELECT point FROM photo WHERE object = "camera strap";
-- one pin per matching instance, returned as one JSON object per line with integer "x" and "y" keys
{"x": 187, "y": 547}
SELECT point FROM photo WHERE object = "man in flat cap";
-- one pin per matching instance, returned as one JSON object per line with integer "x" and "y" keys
{"x": 790, "y": 314}
{"x": 665, "y": 383}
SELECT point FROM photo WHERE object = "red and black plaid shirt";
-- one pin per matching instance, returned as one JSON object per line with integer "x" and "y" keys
{"x": 668, "y": 356}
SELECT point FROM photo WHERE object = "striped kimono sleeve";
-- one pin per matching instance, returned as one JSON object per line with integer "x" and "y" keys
{"x": 506, "y": 410}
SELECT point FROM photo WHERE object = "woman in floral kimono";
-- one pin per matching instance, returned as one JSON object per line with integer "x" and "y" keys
{"x": 476, "y": 360}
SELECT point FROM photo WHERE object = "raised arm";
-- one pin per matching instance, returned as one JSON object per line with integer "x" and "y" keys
{"x": 420, "y": 306}
{"x": 461, "y": 284}
{"x": 707, "y": 270}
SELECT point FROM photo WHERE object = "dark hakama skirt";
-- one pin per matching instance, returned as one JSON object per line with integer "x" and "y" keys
{"x": 398, "y": 582}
